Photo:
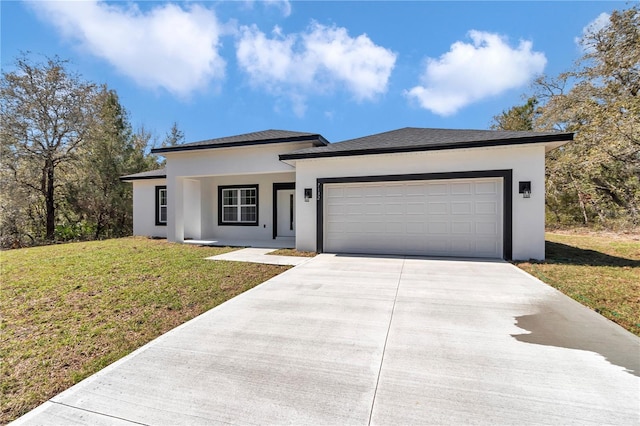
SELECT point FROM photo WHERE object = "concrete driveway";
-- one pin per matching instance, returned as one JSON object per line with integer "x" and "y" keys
{"x": 374, "y": 340}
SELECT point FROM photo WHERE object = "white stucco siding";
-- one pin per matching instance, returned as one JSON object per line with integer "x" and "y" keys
{"x": 231, "y": 161}
{"x": 526, "y": 162}
{"x": 144, "y": 208}
{"x": 192, "y": 209}
{"x": 264, "y": 230}
{"x": 197, "y": 208}
{"x": 255, "y": 164}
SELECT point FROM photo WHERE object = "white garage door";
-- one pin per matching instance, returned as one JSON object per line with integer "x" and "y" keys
{"x": 461, "y": 217}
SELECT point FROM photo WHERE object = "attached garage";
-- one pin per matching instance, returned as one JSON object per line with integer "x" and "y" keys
{"x": 425, "y": 192}
{"x": 452, "y": 217}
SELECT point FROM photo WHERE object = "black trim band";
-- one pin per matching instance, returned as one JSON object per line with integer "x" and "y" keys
{"x": 158, "y": 189}
{"x": 127, "y": 179}
{"x": 507, "y": 198}
{"x": 277, "y": 187}
{"x": 561, "y": 137}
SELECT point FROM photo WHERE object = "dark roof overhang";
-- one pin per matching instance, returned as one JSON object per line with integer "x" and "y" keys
{"x": 316, "y": 139}
{"x": 319, "y": 153}
{"x": 152, "y": 174}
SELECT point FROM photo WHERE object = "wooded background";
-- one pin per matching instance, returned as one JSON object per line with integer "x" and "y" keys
{"x": 66, "y": 141}
{"x": 594, "y": 180}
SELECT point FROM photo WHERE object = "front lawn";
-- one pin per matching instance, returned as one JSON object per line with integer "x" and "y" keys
{"x": 292, "y": 252}
{"x": 66, "y": 311}
{"x": 601, "y": 271}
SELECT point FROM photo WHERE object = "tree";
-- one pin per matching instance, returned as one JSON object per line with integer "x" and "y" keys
{"x": 97, "y": 195}
{"x": 596, "y": 178}
{"x": 102, "y": 203}
{"x": 602, "y": 167}
{"x": 45, "y": 115}
{"x": 174, "y": 137}
{"x": 519, "y": 117}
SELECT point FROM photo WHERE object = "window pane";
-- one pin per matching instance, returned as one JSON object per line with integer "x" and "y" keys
{"x": 229, "y": 214}
{"x": 230, "y": 197}
{"x": 248, "y": 196}
{"x": 248, "y": 214}
{"x": 163, "y": 214}
{"x": 163, "y": 197}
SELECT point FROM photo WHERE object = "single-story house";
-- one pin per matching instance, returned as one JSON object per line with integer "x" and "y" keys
{"x": 413, "y": 191}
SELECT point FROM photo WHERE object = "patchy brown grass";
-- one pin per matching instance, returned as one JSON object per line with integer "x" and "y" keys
{"x": 599, "y": 270}
{"x": 67, "y": 311}
{"x": 292, "y": 252}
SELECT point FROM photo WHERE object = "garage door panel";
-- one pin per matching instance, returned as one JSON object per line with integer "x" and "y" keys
{"x": 353, "y": 192}
{"x": 486, "y": 188}
{"x": 437, "y": 189}
{"x": 464, "y": 247}
{"x": 486, "y": 228}
{"x": 374, "y": 209}
{"x": 486, "y": 207}
{"x": 461, "y": 207}
{"x": 334, "y": 192}
{"x": 437, "y": 246}
{"x": 416, "y": 209}
{"x": 355, "y": 209}
{"x": 394, "y": 228}
{"x": 486, "y": 246}
{"x": 460, "y": 188}
{"x": 334, "y": 211}
{"x": 462, "y": 227}
{"x": 438, "y": 228}
{"x": 394, "y": 190}
{"x": 415, "y": 228}
{"x": 437, "y": 207}
{"x": 460, "y": 217}
{"x": 415, "y": 190}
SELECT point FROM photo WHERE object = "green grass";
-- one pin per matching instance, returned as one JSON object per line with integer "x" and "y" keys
{"x": 292, "y": 252}
{"x": 601, "y": 271}
{"x": 66, "y": 311}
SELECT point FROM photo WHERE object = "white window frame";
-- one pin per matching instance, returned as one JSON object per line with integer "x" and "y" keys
{"x": 237, "y": 191}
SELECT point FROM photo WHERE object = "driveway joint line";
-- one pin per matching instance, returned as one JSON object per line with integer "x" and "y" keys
{"x": 98, "y": 413}
{"x": 386, "y": 338}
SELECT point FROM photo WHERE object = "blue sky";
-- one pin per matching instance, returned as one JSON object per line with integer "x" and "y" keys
{"x": 341, "y": 69}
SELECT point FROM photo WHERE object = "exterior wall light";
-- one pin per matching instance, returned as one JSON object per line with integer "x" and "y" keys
{"x": 308, "y": 193}
{"x": 524, "y": 188}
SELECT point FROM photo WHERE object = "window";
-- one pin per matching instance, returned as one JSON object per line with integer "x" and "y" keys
{"x": 161, "y": 205}
{"x": 238, "y": 205}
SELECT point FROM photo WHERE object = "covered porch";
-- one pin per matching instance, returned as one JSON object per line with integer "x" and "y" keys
{"x": 248, "y": 210}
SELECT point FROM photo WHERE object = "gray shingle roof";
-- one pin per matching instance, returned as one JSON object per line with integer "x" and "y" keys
{"x": 255, "y": 138}
{"x": 153, "y": 174}
{"x": 411, "y": 139}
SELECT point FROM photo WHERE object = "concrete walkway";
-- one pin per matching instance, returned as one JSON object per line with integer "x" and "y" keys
{"x": 259, "y": 255}
{"x": 374, "y": 340}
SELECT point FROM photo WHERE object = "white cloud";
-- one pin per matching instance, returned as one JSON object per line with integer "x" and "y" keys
{"x": 592, "y": 27}
{"x": 168, "y": 46}
{"x": 469, "y": 72}
{"x": 283, "y": 5}
{"x": 316, "y": 61}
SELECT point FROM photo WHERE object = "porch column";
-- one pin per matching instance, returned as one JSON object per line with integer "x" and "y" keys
{"x": 175, "y": 219}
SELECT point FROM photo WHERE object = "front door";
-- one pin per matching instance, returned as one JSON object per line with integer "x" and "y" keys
{"x": 286, "y": 212}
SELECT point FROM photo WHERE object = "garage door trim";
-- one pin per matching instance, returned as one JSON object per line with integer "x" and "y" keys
{"x": 506, "y": 175}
